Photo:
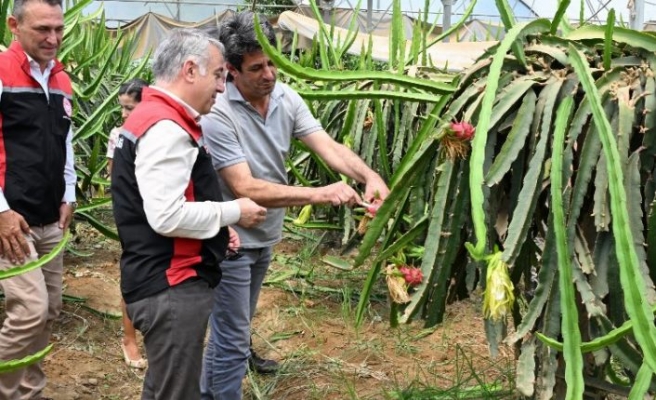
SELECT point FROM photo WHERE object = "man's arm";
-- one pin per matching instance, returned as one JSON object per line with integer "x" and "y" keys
{"x": 343, "y": 160}
{"x": 337, "y": 156}
{"x": 229, "y": 159}
{"x": 241, "y": 182}
{"x": 69, "y": 170}
{"x": 165, "y": 158}
{"x": 66, "y": 209}
{"x": 4, "y": 206}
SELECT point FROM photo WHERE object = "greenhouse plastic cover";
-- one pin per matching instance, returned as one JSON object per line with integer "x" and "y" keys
{"x": 151, "y": 28}
{"x": 454, "y": 56}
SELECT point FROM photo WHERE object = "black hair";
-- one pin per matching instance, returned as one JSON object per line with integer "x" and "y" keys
{"x": 238, "y": 36}
{"x": 213, "y": 31}
{"x": 133, "y": 88}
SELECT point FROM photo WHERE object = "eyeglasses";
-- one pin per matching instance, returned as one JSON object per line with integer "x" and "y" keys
{"x": 232, "y": 255}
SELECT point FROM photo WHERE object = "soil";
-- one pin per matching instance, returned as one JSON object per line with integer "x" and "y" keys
{"x": 302, "y": 321}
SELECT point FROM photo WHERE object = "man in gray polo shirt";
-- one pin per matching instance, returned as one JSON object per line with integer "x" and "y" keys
{"x": 249, "y": 133}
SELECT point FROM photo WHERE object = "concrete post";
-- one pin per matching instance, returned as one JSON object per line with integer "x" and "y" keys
{"x": 370, "y": 16}
{"x": 446, "y": 18}
{"x": 638, "y": 15}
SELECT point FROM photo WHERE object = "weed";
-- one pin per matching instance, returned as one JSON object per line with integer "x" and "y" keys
{"x": 305, "y": 321}
{"x": 467, "y": 381}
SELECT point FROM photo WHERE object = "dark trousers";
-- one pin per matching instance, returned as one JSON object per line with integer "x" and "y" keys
{"x": 173, "y": 324}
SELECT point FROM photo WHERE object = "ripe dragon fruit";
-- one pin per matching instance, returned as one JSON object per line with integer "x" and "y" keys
{"x": 462, "y": 130}
{"x": 399, "y": 279}
{"x": 412, "y": 275}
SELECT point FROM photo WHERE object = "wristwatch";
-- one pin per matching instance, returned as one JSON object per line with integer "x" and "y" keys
{"x": 72, "y": 204}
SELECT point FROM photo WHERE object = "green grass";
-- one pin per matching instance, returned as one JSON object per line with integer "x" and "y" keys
{"x": 307, "y": 322}
{"x": 329, "y": 357}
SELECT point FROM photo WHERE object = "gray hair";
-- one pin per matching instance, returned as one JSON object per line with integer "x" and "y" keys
{"x": 180, "y": 45}
{"x": 18, "y": 11}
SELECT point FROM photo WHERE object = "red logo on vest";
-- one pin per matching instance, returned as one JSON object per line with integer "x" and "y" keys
{"x": 68, "y": 108}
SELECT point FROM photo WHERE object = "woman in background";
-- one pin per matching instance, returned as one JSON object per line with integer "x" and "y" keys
{"x": 129, "y": 95}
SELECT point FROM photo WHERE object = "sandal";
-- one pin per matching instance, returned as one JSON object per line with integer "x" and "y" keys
{"x": 137, "y": 364}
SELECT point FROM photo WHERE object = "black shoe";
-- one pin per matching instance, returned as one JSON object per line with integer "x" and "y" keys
{"x": 261, "y": 365}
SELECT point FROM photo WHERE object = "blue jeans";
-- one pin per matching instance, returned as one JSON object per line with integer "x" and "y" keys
{"x": 228, "y": 349}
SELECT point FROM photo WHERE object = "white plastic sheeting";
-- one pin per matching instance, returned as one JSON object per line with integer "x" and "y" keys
{"x": 452, "y": 56}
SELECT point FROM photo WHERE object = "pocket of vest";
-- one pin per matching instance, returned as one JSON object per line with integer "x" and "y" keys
{"x": 62, "y": 126}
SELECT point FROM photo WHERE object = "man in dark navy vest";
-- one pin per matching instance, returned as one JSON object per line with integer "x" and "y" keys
{"x": 169, "y": 213}
{"x": 37, "y": 185}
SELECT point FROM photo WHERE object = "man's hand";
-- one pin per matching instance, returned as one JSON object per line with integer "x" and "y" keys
{"x": 65, "y": 215}
{"x": 375, "y": 189}
{"x": 234, "y": 243}
{"x": 337, "y": 194}
{"x": 251, "y": 213}
{"x": 13, "y": 229}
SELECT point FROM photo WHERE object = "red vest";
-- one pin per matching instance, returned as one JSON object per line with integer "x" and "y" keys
{"x": 151, "y": 262}
{"x": 33, "y": 131}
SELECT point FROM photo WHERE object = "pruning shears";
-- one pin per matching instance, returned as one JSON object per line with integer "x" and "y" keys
{"x": 357, "y": 236}
{"x": 366, "y": 204}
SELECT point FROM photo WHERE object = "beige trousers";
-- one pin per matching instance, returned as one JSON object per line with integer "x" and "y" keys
{"x": 32, "y": 303}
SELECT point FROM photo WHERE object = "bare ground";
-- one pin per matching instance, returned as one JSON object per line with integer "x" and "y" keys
{"x": 303, "y": 320}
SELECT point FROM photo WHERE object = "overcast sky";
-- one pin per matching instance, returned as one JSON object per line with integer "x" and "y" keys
{"x": 485, "y": 9}
{"x": 547, "y": 8}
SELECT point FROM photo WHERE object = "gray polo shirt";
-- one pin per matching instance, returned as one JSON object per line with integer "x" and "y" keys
{"x": 235, "y": 133}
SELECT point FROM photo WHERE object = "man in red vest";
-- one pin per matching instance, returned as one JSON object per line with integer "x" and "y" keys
{"x": 37, "y": 185}
{"x": 169, "y": 212}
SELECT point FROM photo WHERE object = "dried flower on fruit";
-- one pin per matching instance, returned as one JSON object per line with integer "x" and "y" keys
{"x": 456, "y": 138}
{"x": 396, "y": 285}
{"x": 364, "y": 223}
{"x": 370, "y": 210}
{"x": 399, "y": 279}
